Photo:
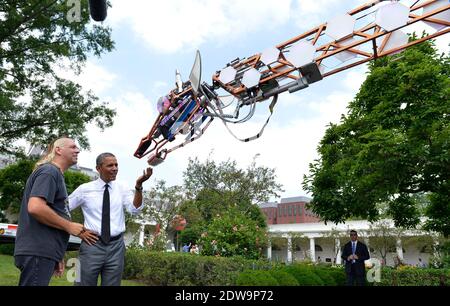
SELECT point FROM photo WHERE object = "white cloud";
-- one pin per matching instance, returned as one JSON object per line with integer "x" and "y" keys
{"x": 310, "y": 13}
{"x": 134, "y": 118}
{"x": 92, "y": 77}
{"x": 354, "y": 77}
{"x": 171, "y": 26}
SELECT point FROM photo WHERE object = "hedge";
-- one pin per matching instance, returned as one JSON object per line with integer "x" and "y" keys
{"x": 256, "y": 278}
{"x": 411, "y": 276}
{"x": 185, "y": 269}
{"x": 304, "y": 275}
{"x": 284, "y": 278}
{"x": 7, "y": 249}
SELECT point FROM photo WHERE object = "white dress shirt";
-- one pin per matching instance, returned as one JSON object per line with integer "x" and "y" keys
{"x": 90, "y": 197}
{"x": 354, "y": 243}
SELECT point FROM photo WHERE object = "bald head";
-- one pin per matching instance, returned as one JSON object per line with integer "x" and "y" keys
{"x": 62, "y": 152}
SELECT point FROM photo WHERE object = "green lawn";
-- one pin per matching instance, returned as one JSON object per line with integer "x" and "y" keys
{"x": 9, "y": 275}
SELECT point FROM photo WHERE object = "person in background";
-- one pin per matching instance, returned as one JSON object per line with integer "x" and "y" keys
{"x": 354, "y": 254}
{"x": 186, "y": 248}
{"x": 421, "y": 264}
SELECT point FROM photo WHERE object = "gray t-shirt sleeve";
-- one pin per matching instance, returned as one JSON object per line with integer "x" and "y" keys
{"x": 44, "y": 187}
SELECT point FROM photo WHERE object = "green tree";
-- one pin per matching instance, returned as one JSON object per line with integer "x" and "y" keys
{"x": 13, "y": 179}
{"x": 257, "y": 184}
{"x": 12, "y": 184}
{"x": 35, "y": 103}
{"x": 331, "y": 237}
{"x": 233, "y": 234}
{"x": 383, "y": 239}
{"x": 161, "y": 206}
{"x": 73, "y": 179}
{"x": 392, "y": 145}
{"x": 216, "y": 192}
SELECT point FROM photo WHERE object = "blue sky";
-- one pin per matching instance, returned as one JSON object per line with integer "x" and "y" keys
{"x": 154, "y": 38}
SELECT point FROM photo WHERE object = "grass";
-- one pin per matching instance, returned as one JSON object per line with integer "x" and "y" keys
{"x": 9, "y": 275}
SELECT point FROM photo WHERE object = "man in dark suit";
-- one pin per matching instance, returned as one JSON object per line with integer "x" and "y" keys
{"x": 354, "y": 255}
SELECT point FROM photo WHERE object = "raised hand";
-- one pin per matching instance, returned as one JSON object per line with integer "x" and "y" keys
{"x": 145, "y": 176}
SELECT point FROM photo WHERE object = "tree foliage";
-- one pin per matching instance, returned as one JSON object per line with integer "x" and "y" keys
{"x": 13, "y": 179}
{"x": 36, "y": 104}
{"x": 161, "y": 206}
{"x": 73, "y": 179}
{"x": 12, "y": 184}
{"x": 257, "y": 184}
{"x": 221, "y": 195}
{"x": 392, "y": 145}
{"x": 233, "y": 234}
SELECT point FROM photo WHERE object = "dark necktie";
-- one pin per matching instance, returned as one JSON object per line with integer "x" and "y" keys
{"x": 106, "y": 229}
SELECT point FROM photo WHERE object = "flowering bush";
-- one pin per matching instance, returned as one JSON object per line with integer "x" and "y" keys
{"x": 233, "y": 234}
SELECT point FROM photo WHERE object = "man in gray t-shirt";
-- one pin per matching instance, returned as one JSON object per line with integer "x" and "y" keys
{"x": 33, "y": 237}
{"x": 44, "y": 219}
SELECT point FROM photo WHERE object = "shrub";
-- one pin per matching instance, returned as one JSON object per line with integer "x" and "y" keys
{"x": 283, "y": 278}
{"x": 325, "y": 276}
{"x": 338, "y": 274}
{"x": 414, "y": 277}
{"x": 7, "y": 249}
{"x": 304, "y": 275}
{"x": 169, "y": 269}
{"x": 256, "y": 278}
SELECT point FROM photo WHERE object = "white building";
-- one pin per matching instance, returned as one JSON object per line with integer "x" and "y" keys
{"x": 314, "y": 241}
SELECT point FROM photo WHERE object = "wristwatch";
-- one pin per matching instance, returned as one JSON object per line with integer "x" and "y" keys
{"x": 138, "y": 188}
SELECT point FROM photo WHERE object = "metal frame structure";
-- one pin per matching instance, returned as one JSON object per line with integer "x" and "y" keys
{"x": 325, "y": 50}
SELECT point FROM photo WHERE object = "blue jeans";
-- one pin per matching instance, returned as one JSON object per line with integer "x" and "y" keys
{"x": 34, "y": 270}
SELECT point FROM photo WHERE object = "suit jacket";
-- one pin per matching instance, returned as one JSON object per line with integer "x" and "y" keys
{"x": 362, "y": 253}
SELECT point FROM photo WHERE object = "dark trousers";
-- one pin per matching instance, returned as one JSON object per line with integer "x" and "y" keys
{"x": 354, "y": 277}
{"x": 34, "y": 270}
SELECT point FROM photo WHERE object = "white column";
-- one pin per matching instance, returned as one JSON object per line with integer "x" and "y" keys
{"x": 141, "y": 235}
{"x": 312, "y": 249}
{"x": 269, "y": 250}
{"x": 338, "y": 247}
{"x": 399, "y": 248}
{"x": 435, "y": 246}
{"x": 289, "y": 249}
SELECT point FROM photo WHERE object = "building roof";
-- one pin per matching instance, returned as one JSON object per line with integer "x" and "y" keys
{"x": 268, "y": 205}
{"x": 318, "y": 229}
{"x": 296, "y": 199}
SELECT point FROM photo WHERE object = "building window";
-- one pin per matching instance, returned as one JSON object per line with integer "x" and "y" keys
{"x": 299, "y": 210}
{"x": 285, "y": 211}
{"x": 290, "y": 210}
{"x": 318, "y": 248}
{"x": 279, "y": 211}
{"x": 295, "y": 210}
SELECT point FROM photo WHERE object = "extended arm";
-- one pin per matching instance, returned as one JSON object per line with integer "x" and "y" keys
{"x": 137, "y": 201}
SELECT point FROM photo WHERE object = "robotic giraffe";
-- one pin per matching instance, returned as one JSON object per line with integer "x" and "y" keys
{"x": 365, "y": 33}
